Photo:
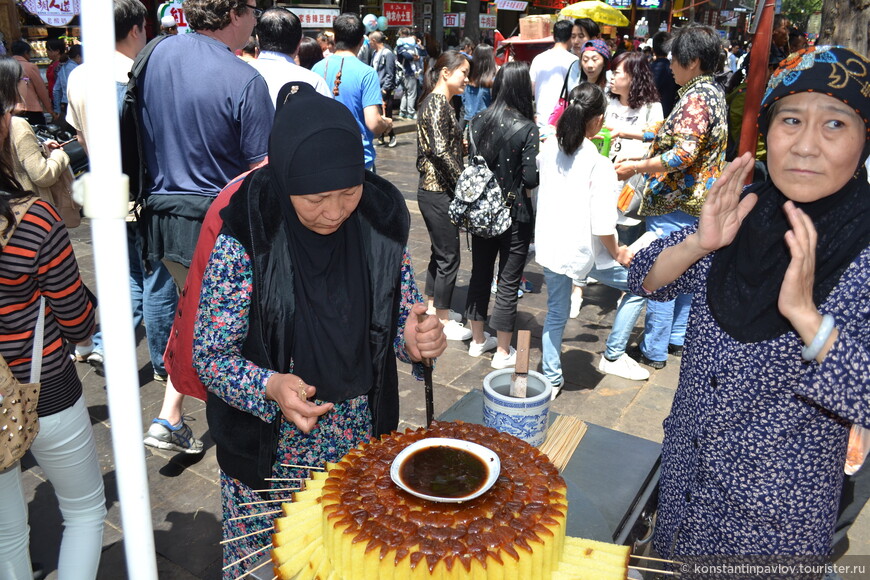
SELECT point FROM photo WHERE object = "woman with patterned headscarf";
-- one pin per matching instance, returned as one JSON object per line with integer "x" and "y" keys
{"x": 778, "y": 350}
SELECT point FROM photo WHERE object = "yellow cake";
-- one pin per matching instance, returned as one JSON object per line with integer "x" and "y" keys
{"x": 353, "y": 523}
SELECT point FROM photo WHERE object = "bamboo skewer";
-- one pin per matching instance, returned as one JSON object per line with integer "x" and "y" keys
{"x": 277, "y": 489}
{"x": 282, "y": 500}
{"x": 563, "y": 437}
{"x": 252, "y": 570}
{"x": 299, "y": 479}
{"x": 655, "y": 559}
{"x": 255, "y": 515}
{"x": 656, "y": 570}
{"x": 251, "y": 555}
{"x": 230, "y": 540}
{"x": 303, "y": 467}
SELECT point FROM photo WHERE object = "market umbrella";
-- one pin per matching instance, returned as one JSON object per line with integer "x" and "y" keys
{"x": 600, "y": 12}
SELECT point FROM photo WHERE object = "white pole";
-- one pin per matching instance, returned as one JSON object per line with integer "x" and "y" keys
{"x": 105, "y": 202}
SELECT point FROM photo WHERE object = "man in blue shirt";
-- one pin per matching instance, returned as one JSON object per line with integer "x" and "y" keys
{"x": 355, "y": 84}
{"x": 205, "y": 117}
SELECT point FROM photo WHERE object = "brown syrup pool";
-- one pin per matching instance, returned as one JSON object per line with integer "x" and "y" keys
{"x": 444, "y": 471}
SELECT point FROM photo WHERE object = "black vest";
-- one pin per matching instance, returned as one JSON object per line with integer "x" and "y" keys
{"x": 247, "y": 446}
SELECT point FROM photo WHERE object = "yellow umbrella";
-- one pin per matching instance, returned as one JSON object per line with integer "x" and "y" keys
{"x": 600, "y": 12}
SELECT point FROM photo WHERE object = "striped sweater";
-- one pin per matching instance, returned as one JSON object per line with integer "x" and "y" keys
{"x": 39, "y": 260}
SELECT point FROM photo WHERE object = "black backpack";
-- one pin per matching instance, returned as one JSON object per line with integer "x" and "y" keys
{"x": 132, "y": 158}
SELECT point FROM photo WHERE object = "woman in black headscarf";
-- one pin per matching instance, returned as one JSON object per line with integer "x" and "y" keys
{"x": 307, "y": 290}
{"x": 778, "y": 346}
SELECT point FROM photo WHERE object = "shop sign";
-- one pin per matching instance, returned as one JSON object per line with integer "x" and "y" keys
{"x": 454, "y": 20}
{"x": 620, "y": 3}
{"x": 53, "y": 12}
{"x": 175, "y": 10}
{"x": 652, "y": 4}
{"x": 316, "y": 17}
{"x": 551, "y": 4}
{"x": 516, "y": 5}
{"x": 487, "y": 21}
{"x": 399, "y": 13}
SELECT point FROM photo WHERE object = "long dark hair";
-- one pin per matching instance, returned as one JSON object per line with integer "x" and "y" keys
{"x": 483, "y": 67}
{"x": 585, "y": 102}
{"x": 451, "y": 60}
{"x": 511, "y": 91}
{"x": 10, "y": 189}
{"x": 642, "y": 89}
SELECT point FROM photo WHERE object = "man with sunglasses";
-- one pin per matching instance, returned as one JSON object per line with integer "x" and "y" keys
{"x": 205, "y": 118}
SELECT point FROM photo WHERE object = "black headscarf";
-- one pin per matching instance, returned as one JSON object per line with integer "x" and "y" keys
{"x": 316, "y": 147}
{"x": 746, "y": 276}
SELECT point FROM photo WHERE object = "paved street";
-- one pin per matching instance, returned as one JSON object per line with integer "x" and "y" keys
{"x": 185, "y": 495}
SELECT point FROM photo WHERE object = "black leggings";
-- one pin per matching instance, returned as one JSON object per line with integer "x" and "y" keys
{"x": 512, "y": 249}
{"x": 444, "y": 237}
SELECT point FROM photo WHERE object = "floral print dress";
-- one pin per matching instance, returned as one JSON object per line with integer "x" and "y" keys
{"x": 691, "y": 143}
{"x": 220, "y": 332}
{"x": 752, "y": 459}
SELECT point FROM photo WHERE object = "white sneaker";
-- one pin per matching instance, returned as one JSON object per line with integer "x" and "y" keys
{"x": 500, "y": 361}
{"x": 625, "y": 367}
{"x": 576, "y": 303}
{"x": 476, "y": 349}
{"x": 452, "y": 315}
{"x": 556, "y": 390}
{"x": 456, "y": 331}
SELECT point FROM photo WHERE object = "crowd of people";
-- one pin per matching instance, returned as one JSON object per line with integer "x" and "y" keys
{"x": 274, "y": 281}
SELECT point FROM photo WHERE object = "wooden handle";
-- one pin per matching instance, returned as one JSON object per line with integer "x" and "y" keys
{"x": 524, "y": 342}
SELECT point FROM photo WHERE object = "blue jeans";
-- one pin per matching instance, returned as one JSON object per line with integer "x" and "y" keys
{"x": 154, "y": 297}
{"x": 559, "y": 303}
{"x": 666, "y": 321}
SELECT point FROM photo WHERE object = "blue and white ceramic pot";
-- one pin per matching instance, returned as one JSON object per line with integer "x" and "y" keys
{"x": 523, "y": 418}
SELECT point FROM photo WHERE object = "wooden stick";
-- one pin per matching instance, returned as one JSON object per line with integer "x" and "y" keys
{"x": 300, "y": 479}
{"x": 282, "y": 500}
{"x": 251, "y": 555}
{"x": 277, "y": 489}
{"x": 255, "y": 515}
{"x": 303, "y": 467}
{"x": 247, "y": 535}
{"x": 654, "y": 559}
{"x": 657, "y": 571}
{"x": 255, "y": 569}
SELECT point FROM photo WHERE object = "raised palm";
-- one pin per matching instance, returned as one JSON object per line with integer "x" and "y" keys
{"x": 723, "y": 210}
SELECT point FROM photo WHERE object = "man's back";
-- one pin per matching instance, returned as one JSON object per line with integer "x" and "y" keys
{"x": 548, "y": 72}
{"x": 359, "y": 88}
{"x": 279, "y": 69}
{"x": 206, "y": 116}
{"x": 664, "y": 81}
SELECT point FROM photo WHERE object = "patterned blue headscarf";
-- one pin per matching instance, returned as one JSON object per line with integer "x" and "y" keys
{"x": 831, "y": 70}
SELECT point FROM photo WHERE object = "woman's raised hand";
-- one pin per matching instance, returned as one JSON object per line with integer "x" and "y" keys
{"x": 424, "y": 338}
{"x": 292, "y": 395}
{"x": 723, "y": 210}
{"x": 796, "y": 293}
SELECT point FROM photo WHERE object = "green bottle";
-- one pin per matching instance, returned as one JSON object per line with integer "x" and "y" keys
{"x": 602, "y": 141}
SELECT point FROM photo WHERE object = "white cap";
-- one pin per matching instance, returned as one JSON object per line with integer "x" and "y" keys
{"x": 168, "y": 21}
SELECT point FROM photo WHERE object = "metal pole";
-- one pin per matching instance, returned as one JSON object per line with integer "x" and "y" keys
{"x": 105, "y": 202}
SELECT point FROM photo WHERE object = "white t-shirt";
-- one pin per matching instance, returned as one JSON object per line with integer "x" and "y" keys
{"x": 576, "y": 203}
{"x": 548, "y": 72}
{"x": 279, "y": 69}
{"x": 76, "y": 114}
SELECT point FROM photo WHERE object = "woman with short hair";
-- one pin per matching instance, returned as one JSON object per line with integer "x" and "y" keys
{"x": 686, "y": 156}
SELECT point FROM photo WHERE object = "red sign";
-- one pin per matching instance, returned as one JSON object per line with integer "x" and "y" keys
{"x": 399, "y": 13}
{"x": 552, "y": 4}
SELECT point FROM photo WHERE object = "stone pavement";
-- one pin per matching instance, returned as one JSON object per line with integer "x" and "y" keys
{"x": 185, "y": 494}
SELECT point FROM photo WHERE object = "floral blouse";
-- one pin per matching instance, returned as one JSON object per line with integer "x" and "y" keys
{"x": 754, "y": 447}
{"x": 439, "y": 145}
{"x": 222, "y": 326}
{"x": 691, "y": 143}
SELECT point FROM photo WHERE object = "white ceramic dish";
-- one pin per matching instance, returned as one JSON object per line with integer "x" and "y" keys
{"x": 488, "y": 456}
